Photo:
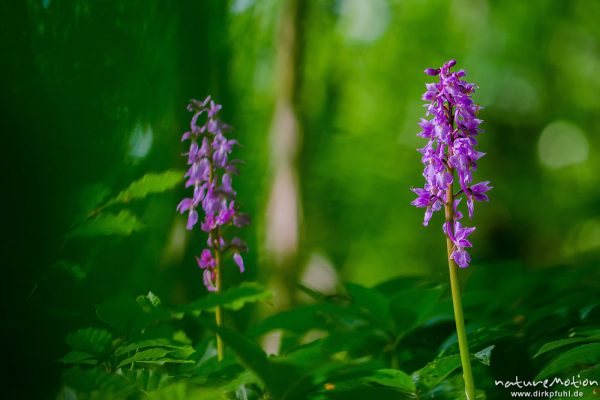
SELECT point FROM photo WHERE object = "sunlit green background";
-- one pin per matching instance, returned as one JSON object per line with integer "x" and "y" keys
{"x": 94, "y": 96}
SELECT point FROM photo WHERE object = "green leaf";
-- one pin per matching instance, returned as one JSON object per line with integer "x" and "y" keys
{"x": 588, "y": 354}
{"x": 301, "y": 319}
{"x": 109, "y": 386}
{"x": 411, "y": 308}
{"x": 79, "y": 357}
{"x": 148, "y": 302}
{"x": 148, "y": 184}
{"x": 151, "y": 343}
{"x": 145, "y": 355}
{"x": 76, "y": 270}
{"x": 557, "y": 344}
{"x": 122, "y": 224}
{"x": 436, "y": 371}
{"x": 91, "y": 195}
{"x": 147, "y": 380}
{"x": 373, "y": 302}
{"x": 90, "y": 340}
{"x": 282, "y": 380}
{"x": 126, "y": 315}
{"x": 392, "y": 378}
{"x": 233, "y": 299}
{"x": 185, "y": 391}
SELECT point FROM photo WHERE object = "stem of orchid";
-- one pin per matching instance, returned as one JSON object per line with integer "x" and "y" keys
{"x": 219, "y": 311}
{"x": 463, "y": 345}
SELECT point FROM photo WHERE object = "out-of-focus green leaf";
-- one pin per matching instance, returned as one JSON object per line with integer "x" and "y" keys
{"x": 301, "y": 319}
{"x": 479, "y": 339}
{"x": 413, "y": 307}
{"x": 186, "y": 391}
{"x": 436, "y": 371}
{"x": 148, "y": 184}
{"x": 392, "y": 378}
{"x": 401, "y": 284}
{"x": 150, "y": 343}
{"x": 283, "y": 381}
{"x": 375, "y": 303}
{"x": 91, "y": 196}
{"x": 79, "y": 357}
{"x": 557, "y": 344}
{"x": 232, "y": 299}
{"x": 147, "y": 380}
{"x": 122, "y": 224}
{"x": 125, "y": 314}
{"x": 90, "y": 340}
{"x": 103, "y": 384}
{"x": 587, "y": 354}
{"x": 75, "y": 270}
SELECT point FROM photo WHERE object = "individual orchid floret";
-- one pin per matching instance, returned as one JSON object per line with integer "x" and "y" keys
{"x": 450, "y": 157}
{"x": 210, "y": 173}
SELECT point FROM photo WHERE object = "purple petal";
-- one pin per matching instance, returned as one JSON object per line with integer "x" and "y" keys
{"x": 428, "y": 214}
{"x": 184, "y": 205}
{"x": 239, "y": 261}
{"x": 192, "y": 219}
{"x": 461, "y": 257}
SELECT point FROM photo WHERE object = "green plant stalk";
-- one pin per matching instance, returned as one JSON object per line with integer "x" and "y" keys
{"x": 463, "y": 345}
{"x": 219, "y": 311}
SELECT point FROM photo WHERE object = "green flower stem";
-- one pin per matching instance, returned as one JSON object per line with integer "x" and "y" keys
{"x": 463, "y": 346}
{"x": 219, "y": 312}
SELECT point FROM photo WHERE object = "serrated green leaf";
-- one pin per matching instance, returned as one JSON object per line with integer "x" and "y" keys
{"x": 557, "y": 344}
{"x": 587, "y": 354}
{"x": 151, "y": 343}
{"x": 145, "y": 355}
{"x": 233, "y": 299}
{"x": 90, "y": 340}
{"x": 148, "y": 184}
{"x": 122, "y": 224}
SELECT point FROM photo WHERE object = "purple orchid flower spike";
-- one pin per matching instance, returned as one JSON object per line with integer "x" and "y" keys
{"x": 451, "y": 131}
{"x": 210, "y": 174}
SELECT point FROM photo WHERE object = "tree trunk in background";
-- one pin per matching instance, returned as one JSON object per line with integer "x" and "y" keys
{"x": 284, "y": 209}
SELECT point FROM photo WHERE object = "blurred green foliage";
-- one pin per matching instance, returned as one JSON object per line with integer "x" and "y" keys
{"x": 93, "y": 101}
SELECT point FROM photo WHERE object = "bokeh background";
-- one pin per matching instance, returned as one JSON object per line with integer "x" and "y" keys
{"x": 324, "y": 95}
